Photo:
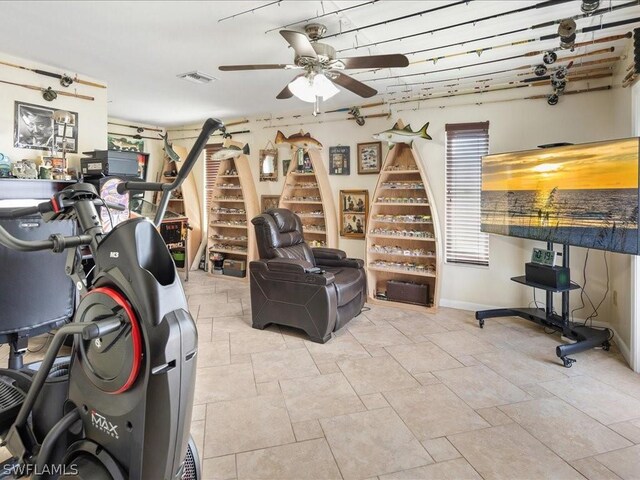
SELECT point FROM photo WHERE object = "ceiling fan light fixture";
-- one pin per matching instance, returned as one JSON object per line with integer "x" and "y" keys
{"x": 308, "y": 88}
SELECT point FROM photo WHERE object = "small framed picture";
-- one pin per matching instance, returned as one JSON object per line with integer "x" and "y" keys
{"x": 285, "y": 167}
{"x": 269, "y": 201}
{"x": 354, "y": 209}
{"x": 369, "y": 157}
{"x": 339, "y": 160}
{"x": 268, "y": 165}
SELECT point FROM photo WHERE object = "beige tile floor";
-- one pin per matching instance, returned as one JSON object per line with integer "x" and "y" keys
{"x": 400, "y": 395}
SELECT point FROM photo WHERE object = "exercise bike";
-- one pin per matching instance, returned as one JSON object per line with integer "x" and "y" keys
{"x": 119, "y": 408}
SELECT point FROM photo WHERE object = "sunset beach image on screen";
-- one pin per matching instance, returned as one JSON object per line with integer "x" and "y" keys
{"x": 584, "y": 195}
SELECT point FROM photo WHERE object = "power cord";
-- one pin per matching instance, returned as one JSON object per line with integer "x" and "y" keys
{"x": 108, "y": 211}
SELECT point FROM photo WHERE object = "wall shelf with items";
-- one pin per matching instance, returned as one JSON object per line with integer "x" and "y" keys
{"x": 233, "y": 203}
{"x": 308, "y": 194}
{"x": 403, "y": 231}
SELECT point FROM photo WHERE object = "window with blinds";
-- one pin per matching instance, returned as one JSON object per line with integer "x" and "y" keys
{"x": 464, "y": 242}
{"x": 210, "y": 170}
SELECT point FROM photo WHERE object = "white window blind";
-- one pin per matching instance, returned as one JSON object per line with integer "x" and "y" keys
{"x": 466, "y": 144}
{"x": 210, "y": 170}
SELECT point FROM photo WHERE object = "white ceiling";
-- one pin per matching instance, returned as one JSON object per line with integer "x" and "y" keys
{"x": 138, "y": 48}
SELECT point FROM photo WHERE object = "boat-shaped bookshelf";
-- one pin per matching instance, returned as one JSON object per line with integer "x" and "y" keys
{"x": 403, "y": 237}
{"x": 307, "y": 193}
{"x": 233, "y": 203}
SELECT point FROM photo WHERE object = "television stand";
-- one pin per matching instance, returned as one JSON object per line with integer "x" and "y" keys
{"x": 585, "y": 337}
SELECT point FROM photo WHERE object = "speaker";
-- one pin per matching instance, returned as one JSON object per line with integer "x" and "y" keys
{"x": 556, "y": 278}
{"x": 35, "y": 292}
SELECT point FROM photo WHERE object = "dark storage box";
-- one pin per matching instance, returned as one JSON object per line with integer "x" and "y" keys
{"x": 110, "y": 162}
{"x": 234, "y": 268}
{"x": 407, "y": 292}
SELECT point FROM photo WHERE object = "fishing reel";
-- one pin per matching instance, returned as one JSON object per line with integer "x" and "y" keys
{"x": 559, "y": 84}
{"x": 49, "y": 94}
{"x": 553, "y": 99}
{"x": 540, "y": 70}
{"x": 66, "y": 80}
{"x": 567, "y": 33}
{"x": 355, "y": 111}
{"x": 549, "y": 57}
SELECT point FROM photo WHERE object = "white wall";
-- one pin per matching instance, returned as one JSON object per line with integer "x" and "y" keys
{"x": 92, "y": 115}
{"x": 514, "y": 125}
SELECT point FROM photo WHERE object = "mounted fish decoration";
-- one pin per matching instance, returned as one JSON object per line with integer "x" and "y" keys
{"x": 168, "y": 148}
{"x": 299, "y": 140}
{"x": 232, "y": 151}
{"x": 402, "y": 135}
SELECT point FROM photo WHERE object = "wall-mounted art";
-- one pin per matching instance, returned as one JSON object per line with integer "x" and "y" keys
{"x": 354, "y": 210}
{"x": 339, "y": 160}
{"x": 35, "y": 129}
{"x": 285, "y": 166}
{"x": 268, "y": 165}
{"x": 124, "y": 144}
{"x": 369, "y": 157}
{"x": 401, "y": 134}
{"x": 268, "y": 201}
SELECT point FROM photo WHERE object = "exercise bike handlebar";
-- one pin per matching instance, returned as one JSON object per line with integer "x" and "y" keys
{"x": 209, "y": 126}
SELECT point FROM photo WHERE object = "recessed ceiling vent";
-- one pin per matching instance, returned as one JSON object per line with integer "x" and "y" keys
{"x": 197, "y": 77}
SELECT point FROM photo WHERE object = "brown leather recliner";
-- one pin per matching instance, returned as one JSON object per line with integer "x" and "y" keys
{"x": 317, "y": 290}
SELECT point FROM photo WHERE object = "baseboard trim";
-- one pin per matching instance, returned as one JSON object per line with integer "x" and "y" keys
{"x": 624, "y": 348}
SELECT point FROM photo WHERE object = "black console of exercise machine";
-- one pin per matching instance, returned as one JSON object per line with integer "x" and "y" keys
{"x": 585, "y": 337}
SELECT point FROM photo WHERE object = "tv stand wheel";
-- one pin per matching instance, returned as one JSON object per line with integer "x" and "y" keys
{"x": 567, "y": 361}
{"x": 606, "y": 346}
{"x": 481, "y": 322}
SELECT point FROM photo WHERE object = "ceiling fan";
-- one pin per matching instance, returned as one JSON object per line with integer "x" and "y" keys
{"x": 322, "y": 70}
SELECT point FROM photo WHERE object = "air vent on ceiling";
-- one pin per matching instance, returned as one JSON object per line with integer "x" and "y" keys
{"x": 197, "y": 77}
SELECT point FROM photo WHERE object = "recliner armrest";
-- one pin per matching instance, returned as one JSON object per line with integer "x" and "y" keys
{"x": 288, "y": 265}
{"x": 345, "y": 262}
{"x": 321, "y": 253}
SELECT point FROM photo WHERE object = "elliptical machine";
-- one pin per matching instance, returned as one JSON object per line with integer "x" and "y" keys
{"x": 120, "y": 407}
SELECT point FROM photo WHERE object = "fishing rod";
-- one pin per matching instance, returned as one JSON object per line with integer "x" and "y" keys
{"x": 348, "y": 109}
{"x": 276, "y": 2}
{"x": 230, "y": 124}
{"x": 501, "y": 88}
{"x": 612, "y": 38}
{"x": 315, "y": 122}
{"x": 582, "y": 64}
{"x": 138, "y": 128}
{"x": 227, "y": 134}
{"x": 497, "y": 60}
{"x": 537, "y": 6}
{"x": 504, "y": 100}
{"x": 397, "y": 19}
{"x": 65, "y": 80}
{"x": 48, "y": 93}
{"x": 335, "y": 12}
{"x": 136, "y": 136}
{"x": 483, "y": 84}
{"x": 533, "y": 27}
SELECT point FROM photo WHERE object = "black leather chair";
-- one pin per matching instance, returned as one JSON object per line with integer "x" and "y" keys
{"x": 317, "y": 290}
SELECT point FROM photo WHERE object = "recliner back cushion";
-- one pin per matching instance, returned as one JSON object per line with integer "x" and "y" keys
{"x": 279, "y": 235}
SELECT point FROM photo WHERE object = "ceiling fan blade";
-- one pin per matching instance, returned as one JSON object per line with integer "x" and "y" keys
{"x": 300, "y": 43}
{"x": 376, "y": 61}
{"x": 286, "y": 93}
{"x": 352, "y": 84}
{"x": 268, "y": 66}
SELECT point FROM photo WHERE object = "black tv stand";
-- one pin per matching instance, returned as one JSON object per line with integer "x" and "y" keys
{"x": 585, "y": 337}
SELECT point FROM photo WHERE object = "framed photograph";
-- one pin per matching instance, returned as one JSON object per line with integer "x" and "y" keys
{"x": 285, "y": 167}
{"x": 354, "y": 209}
{"x": 269, "y": 201}
{"x": 35, "y": 129}
{"x": 125, "y": 144}
{"x": 339, "y": 160}
{"x": 268, "y": 165}
{"x": 369, "y": 157}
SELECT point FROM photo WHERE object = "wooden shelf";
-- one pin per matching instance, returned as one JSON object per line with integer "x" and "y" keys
{"x": 176, "y": 199}
{"x": 378, "y": 276}
{"x": 249, "y": 201}
{"x": 296, "y": 181}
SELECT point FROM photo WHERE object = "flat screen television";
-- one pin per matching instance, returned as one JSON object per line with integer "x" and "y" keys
{"x": 584, "y": 195}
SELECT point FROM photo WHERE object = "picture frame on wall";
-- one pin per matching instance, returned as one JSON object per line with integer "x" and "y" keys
{"x": 268, "y": 165}
{"x": 369, "y": 157}
{"x": 269, "y": 201}
{"x": 125, "y": 144}
{"x": 339, "y": 160}
{"x": 35, "y": 129}
{"x": 354, "y": 210}
{"x": 285, "y": 167}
